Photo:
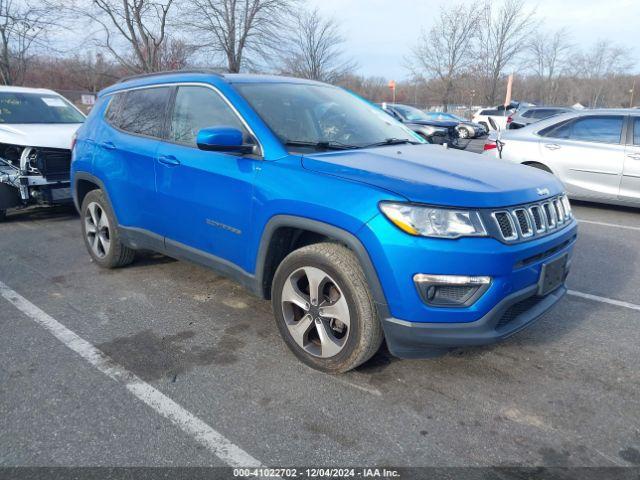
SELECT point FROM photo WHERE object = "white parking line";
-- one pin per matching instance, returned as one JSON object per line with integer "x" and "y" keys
{"x": 610, "y": 301}
{"x": 223, "y": 448}
{"x": 615, "y": 225}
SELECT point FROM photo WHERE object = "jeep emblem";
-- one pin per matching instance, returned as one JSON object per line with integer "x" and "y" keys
{"x": 542, "y": 191}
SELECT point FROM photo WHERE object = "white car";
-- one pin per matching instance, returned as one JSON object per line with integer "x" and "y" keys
{"x": 500, "y": 118}
{"x": 595, "y": 153}
{"x": 36, "y": 131}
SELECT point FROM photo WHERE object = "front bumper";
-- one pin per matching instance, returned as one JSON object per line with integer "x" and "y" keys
{"x": 514, "y": 313}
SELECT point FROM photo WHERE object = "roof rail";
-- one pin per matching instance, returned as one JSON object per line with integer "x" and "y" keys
{"x": 168, "y": 72}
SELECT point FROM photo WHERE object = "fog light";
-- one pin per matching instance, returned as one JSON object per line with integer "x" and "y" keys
{"x": 450, "y": 290}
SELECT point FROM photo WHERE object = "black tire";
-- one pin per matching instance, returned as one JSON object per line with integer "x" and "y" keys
{"x": 364, "y": 331}
{"x": 117, "y": 255}
{"x": 539, "y": 166}
{"x": 486, "y": 127}
{"x": 3, "y": 215}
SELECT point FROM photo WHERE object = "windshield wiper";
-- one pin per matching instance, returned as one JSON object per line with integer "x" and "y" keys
{"x": 320, "y": 145}
{"x": 392, "y": 141}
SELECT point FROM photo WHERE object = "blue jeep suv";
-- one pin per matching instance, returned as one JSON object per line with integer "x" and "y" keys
{"x": 309, "y": 196}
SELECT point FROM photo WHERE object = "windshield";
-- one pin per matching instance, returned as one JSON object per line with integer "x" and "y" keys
{"x": 411, "y": 113}
{"x": 322, "y": 116}
{"x": 19, "y": 107}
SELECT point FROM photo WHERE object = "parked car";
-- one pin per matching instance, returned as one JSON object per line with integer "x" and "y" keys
{"x": 355, "y": 228}
{"x": 434, "y": 131}
{"x": 596, "y": 153}
{"x": 500, "y": 118}
{"x": 465, "y": 128}
{"x": 529, "y": 115}
{"x": 36, "y": 130}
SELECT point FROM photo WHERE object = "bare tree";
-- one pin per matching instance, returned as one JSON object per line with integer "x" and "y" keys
{"x": 23, "y": 27}
{"x": 134, "y": 32}
{"x": 315, "y": 48}
{"x": 502, "y": 36}
{"x": 598, "y": 67}
{"x": 548, "y": 54}
{"x": 238, "y": 30}
{"x": 445, "y": 52}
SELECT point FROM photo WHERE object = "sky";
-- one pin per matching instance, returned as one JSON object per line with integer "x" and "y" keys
{"x": 380, "y": 33}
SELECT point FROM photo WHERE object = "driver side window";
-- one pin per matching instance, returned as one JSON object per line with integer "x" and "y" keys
{"x": 197, "y": 108}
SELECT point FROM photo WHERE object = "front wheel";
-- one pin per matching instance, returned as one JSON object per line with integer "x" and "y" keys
{"x": 323, "y": 308}
{"x": 463, "y": 133}
{"x": 100, "y": 232}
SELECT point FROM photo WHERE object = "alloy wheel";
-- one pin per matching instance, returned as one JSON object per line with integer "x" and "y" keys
{"x": 97, "y": 230}
{"x": 316, "y": 312}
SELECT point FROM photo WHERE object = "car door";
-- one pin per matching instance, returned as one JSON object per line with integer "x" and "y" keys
{"x": 205, "y": 197}
{"x": 630, "y": 183}
{"x": 587, "y": 154}
{"x": 126, "y": 152}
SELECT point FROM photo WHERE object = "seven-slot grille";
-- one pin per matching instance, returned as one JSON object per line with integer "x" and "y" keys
{"x": 535, "y": 219}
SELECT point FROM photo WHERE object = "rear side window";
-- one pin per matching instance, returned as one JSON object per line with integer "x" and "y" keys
{"x": 490, "y": 112}
{"x": 141, "y": 112}
{"x": 528, "y": 114}
{"x": 545, "y": 113}
{"x": 197, "y": 108}
{"x": 636, "y": 131}
{"x": 597, "y": 128}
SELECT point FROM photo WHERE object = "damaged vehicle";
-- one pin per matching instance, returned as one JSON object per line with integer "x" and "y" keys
{"x": 36, "y": 131}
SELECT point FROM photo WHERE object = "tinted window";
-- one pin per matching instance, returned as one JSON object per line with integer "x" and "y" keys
{"x": 140, "y": 111}
{"x": 197, "y": 108}
{"x": 21, "y": 107}
{"x": 601, "y": 129}
{"x": 545, "y": 113}
{"x": 636, "y": 131}
{"x": 528, "y": 114}
{"x": 490, "y": 112}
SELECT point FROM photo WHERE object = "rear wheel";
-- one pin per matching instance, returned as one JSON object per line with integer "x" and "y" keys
{"x": 99, "y": 229}
{"x": 324, "y": 310}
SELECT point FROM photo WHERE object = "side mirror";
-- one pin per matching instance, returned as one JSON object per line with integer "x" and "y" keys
{"x": 493, "y": 124}
{"x": 222, "y": 139}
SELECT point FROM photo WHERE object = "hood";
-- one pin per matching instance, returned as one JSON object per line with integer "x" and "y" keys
{"x": 434, "y": 123}
{"x": 38, "y": 134}
{"x": 434, "y": 175}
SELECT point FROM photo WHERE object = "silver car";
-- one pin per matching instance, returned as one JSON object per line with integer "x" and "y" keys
{"x": 529, "y": 115}
{"x": 596, "y": 153}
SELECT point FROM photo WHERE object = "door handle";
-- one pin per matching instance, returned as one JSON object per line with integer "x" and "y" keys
{"x": 551, "y": 146}
{"x": 169, "y": 160}
{"x": 634, "y": 156}
{"x": 108, "y": 145}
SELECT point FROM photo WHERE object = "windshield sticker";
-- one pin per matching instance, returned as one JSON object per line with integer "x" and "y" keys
{"x": 54, "y": 101}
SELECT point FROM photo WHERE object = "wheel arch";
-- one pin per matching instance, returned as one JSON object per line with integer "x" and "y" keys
{"x": 284, "y": 233}
{"x": 83, "y": 183}
{"x": 534, "y": 163}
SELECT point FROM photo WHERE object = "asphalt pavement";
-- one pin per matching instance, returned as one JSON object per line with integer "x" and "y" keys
{"x": 202, "y": 377}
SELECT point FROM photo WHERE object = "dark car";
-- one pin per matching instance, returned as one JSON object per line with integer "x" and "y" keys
{"x": 434, "y": 131}
{"x": 465, "y": 128}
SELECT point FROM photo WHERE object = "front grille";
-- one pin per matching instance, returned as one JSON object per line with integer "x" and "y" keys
{"x": 54, "y": 163}
{"x": 531, "y": 220}
{"x": 517, "y": 309}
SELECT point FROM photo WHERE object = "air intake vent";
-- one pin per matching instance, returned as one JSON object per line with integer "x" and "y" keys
{"x": 536, "y": 215}
{"x": 551, "y": 216}
{"x": 524, "y": 224}
{"x": 507, "y": 228}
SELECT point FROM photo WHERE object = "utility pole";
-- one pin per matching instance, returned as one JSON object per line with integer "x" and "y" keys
{"x": 631, "y": 92}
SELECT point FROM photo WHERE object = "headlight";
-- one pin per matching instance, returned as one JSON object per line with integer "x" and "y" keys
{"x": 434, "y": 222}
